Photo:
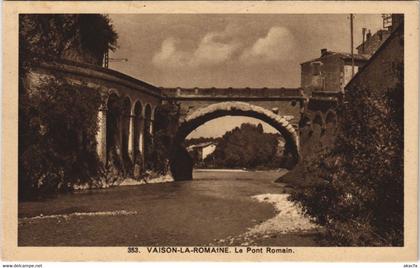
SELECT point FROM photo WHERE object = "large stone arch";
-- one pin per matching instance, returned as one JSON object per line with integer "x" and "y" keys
{"x": 179, "y": 159}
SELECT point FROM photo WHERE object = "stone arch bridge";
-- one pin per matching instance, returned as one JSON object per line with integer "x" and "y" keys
{"x": 128, "y": 111}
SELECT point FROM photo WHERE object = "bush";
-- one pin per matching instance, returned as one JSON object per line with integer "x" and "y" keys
{"x": 360, "y": 194}
{"x": 57, "y": 145}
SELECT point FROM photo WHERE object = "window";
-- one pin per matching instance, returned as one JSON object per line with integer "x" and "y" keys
{"x": 316, "y": 68}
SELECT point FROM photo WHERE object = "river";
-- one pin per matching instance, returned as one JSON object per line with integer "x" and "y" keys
{"x": 216, "y": 208}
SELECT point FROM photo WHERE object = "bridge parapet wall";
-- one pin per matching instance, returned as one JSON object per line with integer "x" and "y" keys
{"x": 101, "y": 76}
{"x": 287, "y": 93}
{"x": 281, "y": 101}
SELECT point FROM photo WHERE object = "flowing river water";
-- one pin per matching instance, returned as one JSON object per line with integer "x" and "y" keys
{"x": 219, "y": 207}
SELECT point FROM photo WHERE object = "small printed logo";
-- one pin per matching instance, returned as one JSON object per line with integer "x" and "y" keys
{"x": 410, "y": 265}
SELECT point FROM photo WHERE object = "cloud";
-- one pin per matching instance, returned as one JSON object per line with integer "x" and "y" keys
{"x": 213, "y": 49}
{"x": 217, "y": 48}
{"x": 169, "y": 56}
{"x": 278, "y": 44}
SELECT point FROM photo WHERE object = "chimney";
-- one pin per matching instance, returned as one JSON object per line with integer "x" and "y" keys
{"x": 368, "y": 35}
{"x": 363, "y": 38}
{"x": 324, "y": 52}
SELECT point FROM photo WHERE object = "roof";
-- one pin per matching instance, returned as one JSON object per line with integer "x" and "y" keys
{"x": 382, "y": 31}
{"x": 203, "y": 144}
{"x": 341, "y": 55}
{"x": 399, "y": 29}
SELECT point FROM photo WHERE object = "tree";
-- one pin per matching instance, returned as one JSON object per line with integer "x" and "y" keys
{"x": 51, "y": 37}
{"x": 58, "y": 119}
{"x": 157, "y": 156}
{"x": 57, "y": 146}
{"x": 360, "y": 196}
{"x": 247, "y": 146}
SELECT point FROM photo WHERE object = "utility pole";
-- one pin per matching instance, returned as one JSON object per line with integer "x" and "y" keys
{"x": 118, "y": 59}
{"x": 351, "y": 45}
{"x": 107, "y": 60}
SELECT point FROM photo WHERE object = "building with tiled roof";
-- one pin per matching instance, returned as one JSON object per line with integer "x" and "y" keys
{"x": 330, "y": 72}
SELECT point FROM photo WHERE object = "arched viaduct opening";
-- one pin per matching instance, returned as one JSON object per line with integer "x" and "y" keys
{"x": 181, "y": 163}
{"x": 125, "y": 133}
{"x": 114, "y": 152}
{"x": 128, "y": 135}
{"x": 148, "y": 137}
{"x": 331, "y": 121}
{"x": 137, "y": 135}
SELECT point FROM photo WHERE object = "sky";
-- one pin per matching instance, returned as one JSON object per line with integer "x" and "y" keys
{"x": 225, "y": 50}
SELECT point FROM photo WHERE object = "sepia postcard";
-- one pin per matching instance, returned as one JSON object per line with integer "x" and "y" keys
{"x": 210, "y": 131}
